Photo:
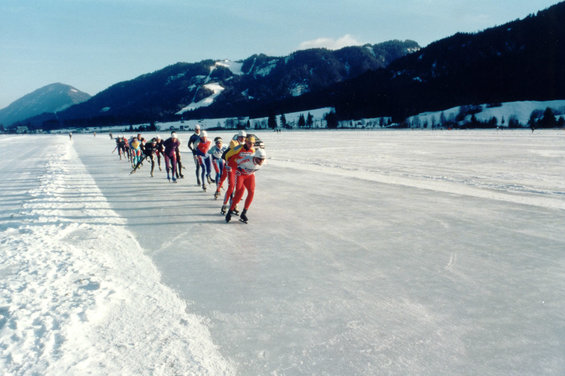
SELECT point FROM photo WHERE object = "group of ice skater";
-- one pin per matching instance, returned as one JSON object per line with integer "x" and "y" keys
{"x": 235, "y": 162}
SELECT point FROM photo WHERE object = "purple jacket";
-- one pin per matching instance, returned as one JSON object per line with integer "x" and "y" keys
{"x": 171, "y": 146}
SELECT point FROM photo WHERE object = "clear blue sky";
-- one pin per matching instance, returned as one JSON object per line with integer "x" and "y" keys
{"x": 92, "y": 44}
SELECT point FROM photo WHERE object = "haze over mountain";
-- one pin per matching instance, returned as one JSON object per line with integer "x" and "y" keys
{"x": 51, "y": 98}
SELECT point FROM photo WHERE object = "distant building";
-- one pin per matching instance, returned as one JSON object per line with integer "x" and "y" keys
{"x": 22, "y": 129}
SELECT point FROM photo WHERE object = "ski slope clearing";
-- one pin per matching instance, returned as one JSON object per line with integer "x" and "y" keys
{"x": 366, "y": 253}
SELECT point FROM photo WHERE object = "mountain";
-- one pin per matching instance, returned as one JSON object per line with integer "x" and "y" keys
{"x": 521, "y": 60}
{"x": 51, "y": 98}
{"x": 225, "y": 88}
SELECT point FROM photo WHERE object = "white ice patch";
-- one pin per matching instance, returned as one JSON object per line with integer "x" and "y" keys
{"x": 78, "y": 295}
{"x": 521, "y": 111}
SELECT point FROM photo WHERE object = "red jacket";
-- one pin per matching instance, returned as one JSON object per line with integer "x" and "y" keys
{"x": 203, "y": 147}
{"x": 236, "y": 154}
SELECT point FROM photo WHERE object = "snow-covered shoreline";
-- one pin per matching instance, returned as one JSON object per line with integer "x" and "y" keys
{"x": 78, "y": 294}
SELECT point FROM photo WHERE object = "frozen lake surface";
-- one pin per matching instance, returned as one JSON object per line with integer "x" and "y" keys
{"x": 367, "y": 253}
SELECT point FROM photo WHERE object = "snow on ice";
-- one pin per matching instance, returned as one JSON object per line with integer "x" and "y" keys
{"x": 367, "y": 253}
{"x": 78, "y": 294}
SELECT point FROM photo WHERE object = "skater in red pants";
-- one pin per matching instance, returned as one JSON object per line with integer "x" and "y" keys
{"x": 245, "y": 180}
{"x": 231, "y": 157}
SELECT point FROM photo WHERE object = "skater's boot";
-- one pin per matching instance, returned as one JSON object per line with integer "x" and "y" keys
{"x": 224, "y": 209}
{"x": 216, "y": 195}
{"x": 235, "y": 211}
{"x": 168, "y": 177}
{"x": 228, "y": 216}
{"x": 243, "y": 216}
{"x": 204, "y": 187}
{"x": 209, "y": 179}
{"x": 174, "y": 179}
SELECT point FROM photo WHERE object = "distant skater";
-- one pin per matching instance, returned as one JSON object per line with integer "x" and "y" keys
{"x": 192, "y": 142}
{"x": 171, "y": 147}
{"x": 149, "y": 150}
{"x": 204, "y": 159}
{"x": 216, "y": 153}
{"x": 160, "y": 149}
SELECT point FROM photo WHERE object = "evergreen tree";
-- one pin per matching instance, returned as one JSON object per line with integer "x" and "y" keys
{"x": 283, "y": 121}
{"x": 492, "y": 123}
{"x": 301, "y": 121}
{"x": 548, "y": 119}
{"x": 309, "y": 120}
{"x": 513, "y": 122}
{"x": 331, "y": 120}
{"x": 272, "y": 121}
{"x": 534, "y": 118}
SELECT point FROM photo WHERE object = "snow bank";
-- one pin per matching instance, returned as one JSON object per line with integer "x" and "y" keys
{"x": 520, "y": 110}
{"x": 77, "y": 293}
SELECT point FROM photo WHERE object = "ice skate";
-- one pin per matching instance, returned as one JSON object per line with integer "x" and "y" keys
{"x": 243, "y": 216}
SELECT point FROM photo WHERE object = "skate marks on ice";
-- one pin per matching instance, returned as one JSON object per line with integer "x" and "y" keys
{"x": 77, "y": 293}
{"x": 452, "y": 261}
{"x": 551, "y": 199}
{"x": 508, "y": 166}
